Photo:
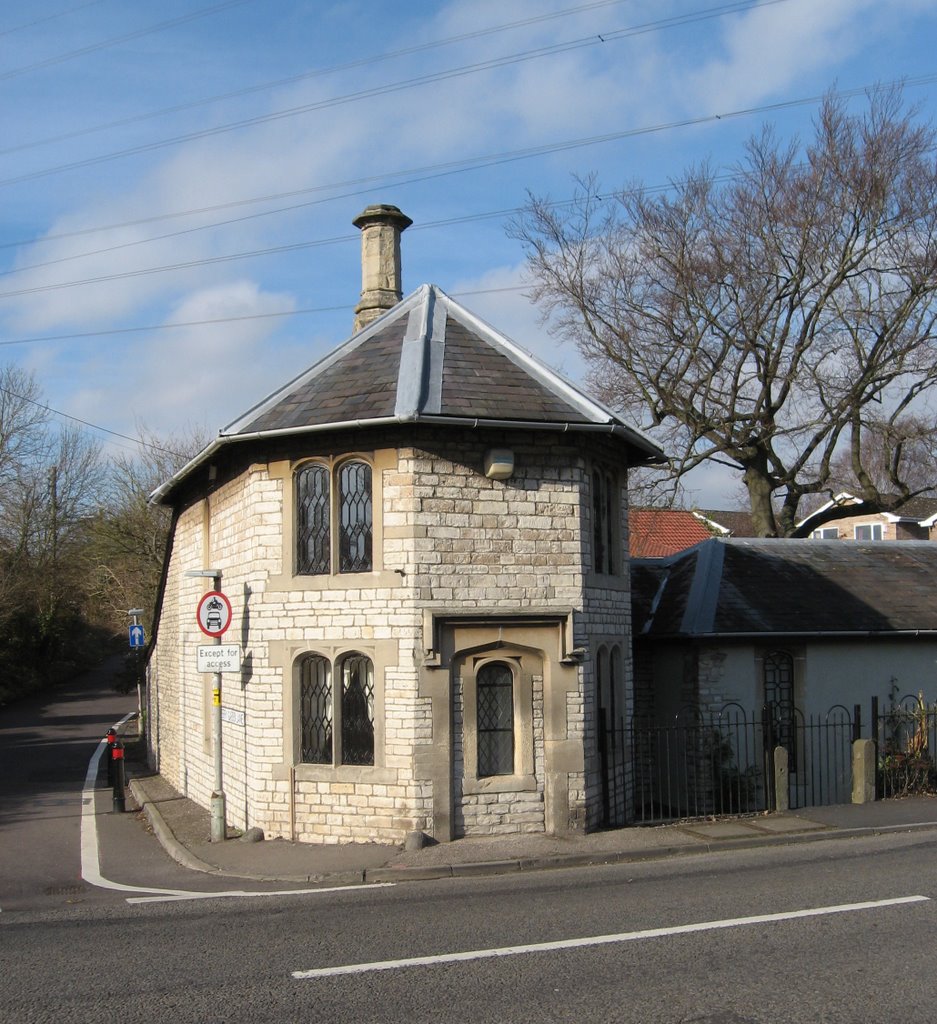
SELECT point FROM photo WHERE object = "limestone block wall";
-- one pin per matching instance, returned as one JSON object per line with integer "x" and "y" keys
{"x": 486, "y": 545}
{"x": 449, "y": 539}
{"x": 494, "y": 544}
{"x": 277, "y": 618}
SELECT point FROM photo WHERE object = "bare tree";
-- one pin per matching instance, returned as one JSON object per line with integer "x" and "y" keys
{"x": 775, "y": 321}
{"x": 127, "y": 539}
{"x": 23, "y": 418}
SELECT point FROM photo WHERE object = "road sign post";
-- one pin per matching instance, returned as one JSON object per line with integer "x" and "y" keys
{"x": 214, "y": 616}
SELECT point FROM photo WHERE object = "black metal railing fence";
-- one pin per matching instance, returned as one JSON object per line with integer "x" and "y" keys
{"x": 722, "y": 762}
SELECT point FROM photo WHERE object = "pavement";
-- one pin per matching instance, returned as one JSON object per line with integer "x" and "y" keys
{"x": 183, "y": 828}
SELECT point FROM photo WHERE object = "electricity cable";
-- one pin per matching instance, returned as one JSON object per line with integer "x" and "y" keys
{"x": 377, "y": 91}
{"x": 115, "y": 40}
{"x": 307, "y": 75}
{"x": 473, "y": 164}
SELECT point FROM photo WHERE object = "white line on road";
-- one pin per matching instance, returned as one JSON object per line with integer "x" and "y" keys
{"x": 172, "y": 897}
{"x": 599, "y": 940}
{"x": 91, "y": 858}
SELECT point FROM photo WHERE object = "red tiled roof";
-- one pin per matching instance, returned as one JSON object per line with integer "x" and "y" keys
{"x": 659, "y": 532}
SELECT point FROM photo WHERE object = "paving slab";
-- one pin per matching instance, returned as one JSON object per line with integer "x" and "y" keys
{"x": 780, "y": 824}
{"x": 720, "y": 830}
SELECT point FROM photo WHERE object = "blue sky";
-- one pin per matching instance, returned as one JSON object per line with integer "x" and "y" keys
{"x": 194, "y": 161}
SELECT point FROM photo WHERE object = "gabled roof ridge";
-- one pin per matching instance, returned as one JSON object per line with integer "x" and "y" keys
{"x": 539, "y": 370}
{"x": 329, "y": 359}
{"x": 703, "y": 598}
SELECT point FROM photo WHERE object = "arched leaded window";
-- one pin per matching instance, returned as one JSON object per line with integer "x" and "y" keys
{"x": 313, "y": 507}
{"x": 779, "y": 699}
{"x": 334, "y": 524}
{"x": 357, "y": 673}
{"x": 315, "y": 682}
{"x": 494, "y": 686}
{"x": 354, "y": 497}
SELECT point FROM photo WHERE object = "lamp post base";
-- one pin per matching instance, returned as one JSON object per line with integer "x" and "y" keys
{"x": 218, "y": 828}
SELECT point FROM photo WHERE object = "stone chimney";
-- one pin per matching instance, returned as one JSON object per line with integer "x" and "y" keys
{"x": 381, "y": 227}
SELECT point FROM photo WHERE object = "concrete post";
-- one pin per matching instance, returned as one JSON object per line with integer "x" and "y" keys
{"x": 863, "y": 771}
{"x": 781, "y": 798}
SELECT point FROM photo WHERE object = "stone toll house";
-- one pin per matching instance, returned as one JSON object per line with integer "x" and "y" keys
{"x": 424, "y": 541}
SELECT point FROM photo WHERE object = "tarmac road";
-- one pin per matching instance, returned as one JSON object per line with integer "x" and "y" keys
{"x": 45, "y": 742}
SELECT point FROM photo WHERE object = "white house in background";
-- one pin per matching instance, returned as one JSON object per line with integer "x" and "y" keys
{"x": 915, "y": 520}
{"x": 424, "y": 542}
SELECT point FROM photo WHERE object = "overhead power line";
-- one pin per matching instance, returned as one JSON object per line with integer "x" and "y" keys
{"x": 49, "y": 17}
{"x": 104, "y": 44}
{"x": 456, "y": 167}
{"x": 384, "y": 90}
{"x": 215, "y": 321}
{"x": 88, "y": 423}
{"x": 277, "y": 83}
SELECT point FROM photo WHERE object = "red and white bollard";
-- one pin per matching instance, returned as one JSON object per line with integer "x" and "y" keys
{"x": 111, "y": 739}
{"x": 117, "y": 768}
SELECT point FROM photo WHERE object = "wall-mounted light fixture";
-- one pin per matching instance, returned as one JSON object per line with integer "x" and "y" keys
{"x": 499, "y": 463}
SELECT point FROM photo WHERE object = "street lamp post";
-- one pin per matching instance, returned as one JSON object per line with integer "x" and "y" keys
{"x": 217, "y": 802}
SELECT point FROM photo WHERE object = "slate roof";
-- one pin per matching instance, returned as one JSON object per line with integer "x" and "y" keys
{"x": 916, "y": 509}
{"x": 426, "y": 360}
{"x": 659, "y": 532}
{"x": 729, "y": 587}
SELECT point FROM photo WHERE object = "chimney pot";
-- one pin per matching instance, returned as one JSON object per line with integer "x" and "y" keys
{"x": 381, "y": 226}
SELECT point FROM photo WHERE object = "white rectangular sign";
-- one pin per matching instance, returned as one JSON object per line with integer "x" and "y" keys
{"x": 232, "y": 716}
{"x": 219, "y": 658}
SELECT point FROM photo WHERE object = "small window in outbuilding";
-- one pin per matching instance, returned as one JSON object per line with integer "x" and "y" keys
{"x": 779, "y": 701}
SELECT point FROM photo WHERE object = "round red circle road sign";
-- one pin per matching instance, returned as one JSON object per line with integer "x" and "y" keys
{"x": 214, "y": 613}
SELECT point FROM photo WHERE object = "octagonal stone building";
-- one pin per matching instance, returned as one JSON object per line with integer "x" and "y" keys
{"x": 424, "y": 542}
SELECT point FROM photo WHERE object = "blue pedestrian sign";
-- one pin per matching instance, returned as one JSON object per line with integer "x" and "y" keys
{"x": 136, "y": 636}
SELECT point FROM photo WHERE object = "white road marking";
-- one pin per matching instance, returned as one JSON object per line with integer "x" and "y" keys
{"x": 243, "y": 892}
{"x": 91, "y": 859}
{"x": 599, "y": 940}
{"x": 90, "y": 854}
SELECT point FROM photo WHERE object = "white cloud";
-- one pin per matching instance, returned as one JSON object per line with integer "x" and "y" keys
{"x": 204, "y": 374}
{"x": 769, "y": 49}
